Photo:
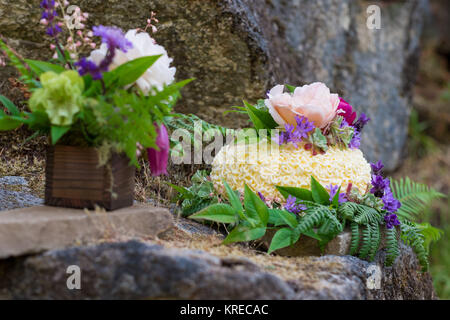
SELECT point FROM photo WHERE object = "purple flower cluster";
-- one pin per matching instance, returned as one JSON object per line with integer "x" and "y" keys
{"x": 333, "y": 189}
{"x": 295, "y": 134}
{"x": 49, "y": 17}
{"x": 292, "y": 207}
{"x": 391, "y": 220}
{"x": 381, "y": 188}
{"x": 114, "y": 38}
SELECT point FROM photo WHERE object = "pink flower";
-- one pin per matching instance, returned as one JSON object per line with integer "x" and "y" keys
{"x": 345, "y": 110}
{"x": 158, "y": 158}
{"x": 313, "y": 101}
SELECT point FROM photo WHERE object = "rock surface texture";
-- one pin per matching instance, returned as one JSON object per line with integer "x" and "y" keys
{"x": 15, "y": 193}
{"x": 135, "y": 270}
{"x": 37, "y": 229}
{"x": 238, "y": 49}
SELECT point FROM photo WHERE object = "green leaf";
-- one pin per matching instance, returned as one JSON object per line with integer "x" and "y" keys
{"x": 276, "y": 219}
{"x": 283, "y": 238}
{"x": 218, "y": 213}
{"x": 184, "y": 191}
{"x": 57, "y": 132}
{"x": 290, "y": 88}
{"x": 6, "y": 123}
{"x": 335, "y": 200}
{"x": 129, "y": 72}
{"x": 261, "y": 119}
{"x": 288, "y": 217}
{"x": 319, "y": 193}
{"x": 233, "y": 198}
{"x": 299, "y": 193}
{"x": 312, "y": 234}
{"x": 10, "y": 106}
{"x": 40, "y": 67}
{"x": 255, "y": 207}
{"x": 243, "y": 234}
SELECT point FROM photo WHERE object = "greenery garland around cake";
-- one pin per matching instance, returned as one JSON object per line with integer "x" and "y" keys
{"x": 312, "y": 126}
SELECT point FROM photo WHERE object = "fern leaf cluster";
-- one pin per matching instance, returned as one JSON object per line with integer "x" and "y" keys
{"x": 415, "y": 198}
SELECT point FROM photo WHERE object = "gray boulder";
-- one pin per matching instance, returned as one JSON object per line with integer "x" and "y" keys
{"x": 134, "y": 270}
{"x": 238, "y": 49}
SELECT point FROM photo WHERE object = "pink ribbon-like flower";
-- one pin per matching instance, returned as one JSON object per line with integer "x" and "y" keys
{"x": 158, "y": 158}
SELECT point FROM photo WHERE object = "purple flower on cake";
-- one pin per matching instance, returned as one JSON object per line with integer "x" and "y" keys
{"x": 332, "y": 190}
{"x": 361, "y": 122}
{"x": 292, "y": 207}
{"x": 377, "y": 167}
{"x": 379, "y": 184}
{"x": 356, "y": 141}
{"x": 261, "y": 196}
{"x": 390, "y": 203}
{"x": 391, "y": 220}
{"x": 296, "y": 134}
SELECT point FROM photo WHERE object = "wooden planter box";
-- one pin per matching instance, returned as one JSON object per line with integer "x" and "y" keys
{"x": 73, "y": 179}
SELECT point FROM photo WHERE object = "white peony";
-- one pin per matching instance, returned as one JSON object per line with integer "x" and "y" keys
{"x": 158, "y": 75}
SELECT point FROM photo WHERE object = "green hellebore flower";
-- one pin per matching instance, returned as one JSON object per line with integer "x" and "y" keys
{"x": 60, "y": 96}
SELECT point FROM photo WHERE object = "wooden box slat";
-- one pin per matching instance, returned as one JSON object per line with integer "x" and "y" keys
{"x": 74, "y": 179}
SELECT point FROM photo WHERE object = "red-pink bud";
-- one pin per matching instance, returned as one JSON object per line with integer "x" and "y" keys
{"x": 158, "y": 158}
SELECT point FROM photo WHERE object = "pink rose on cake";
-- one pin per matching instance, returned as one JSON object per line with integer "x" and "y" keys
{"x": 314, "y": 101}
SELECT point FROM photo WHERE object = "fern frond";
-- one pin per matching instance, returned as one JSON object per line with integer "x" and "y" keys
{"x": 393, "y": 250}
{"x": 314, "y": 217}
{"x": 347, "y": 210}
{"x": 375, "y": 239}
{"x": 355, "y": 238}
{"x": 366, "y": 242}
{"x": 412, "y": 236}
{"x": 367, "y": 215}
{"x": 414, "y": 197}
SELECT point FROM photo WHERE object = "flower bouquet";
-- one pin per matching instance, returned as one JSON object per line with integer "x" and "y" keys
{"x": 99, "y": 111}
{"x": 299, "y": 173}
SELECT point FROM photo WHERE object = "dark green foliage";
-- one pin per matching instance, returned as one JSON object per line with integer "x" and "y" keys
{"x": 366, "y": 242}
{"x": 355, "y": 238}
{"x": 415, "y": 198}
{"x": 198, "y": 196}
{"x": 412, "y": 235}
{"x": 393, "y": 250}
{"x": 322, "y": 220}
{"x": 375, "y": 234}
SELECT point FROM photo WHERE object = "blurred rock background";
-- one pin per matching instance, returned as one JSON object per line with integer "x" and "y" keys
{"x": 238, "y": 49}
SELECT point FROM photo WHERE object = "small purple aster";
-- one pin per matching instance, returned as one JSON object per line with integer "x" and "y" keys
{"x": 391, "y": 220}
{"x": 377, "y": 167}
{"x": 332, "y": 190}
{"x": 296, "y": 134}
{"x": 292, "y": 207}
{"x": 361, "y": 122}
{"x": 356, "y": 140}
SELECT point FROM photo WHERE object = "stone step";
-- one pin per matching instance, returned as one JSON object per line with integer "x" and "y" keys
{"x": 40, "y": 228}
